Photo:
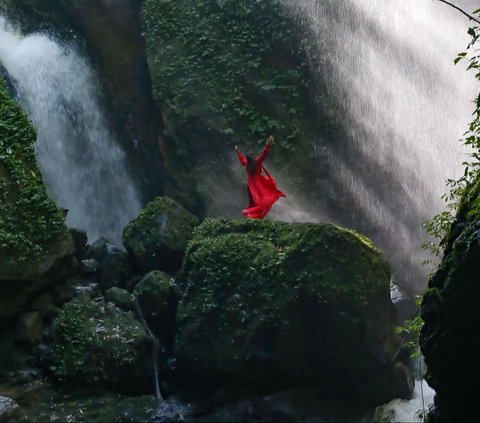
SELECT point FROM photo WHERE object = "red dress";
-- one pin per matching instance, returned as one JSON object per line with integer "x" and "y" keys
{"x": 262, "y": 189}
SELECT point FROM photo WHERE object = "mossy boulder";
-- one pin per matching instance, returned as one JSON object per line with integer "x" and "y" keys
{"x": 120, "y": 297}
{"x": 34, "y": 242}
{"x": 274, "y": 305}
{"x": 450, "y": 309}
{"x": 157, "y": 296}
{"x": 158, "y": 237}
{"x": 96, "y": 343}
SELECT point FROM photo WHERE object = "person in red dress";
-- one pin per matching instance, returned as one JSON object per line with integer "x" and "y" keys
{"x": 261, "y": 189}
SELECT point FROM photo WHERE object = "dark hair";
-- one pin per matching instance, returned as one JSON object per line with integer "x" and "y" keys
{"x": 251, "y": 163}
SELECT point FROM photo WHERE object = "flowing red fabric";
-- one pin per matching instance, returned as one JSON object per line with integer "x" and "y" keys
{"x": 262, "y": 189}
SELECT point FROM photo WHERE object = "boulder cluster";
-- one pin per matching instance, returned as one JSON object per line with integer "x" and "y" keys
{"x": 256, "y": 305}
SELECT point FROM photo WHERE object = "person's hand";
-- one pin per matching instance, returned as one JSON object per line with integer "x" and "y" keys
{"x": 270, "y": 140}
{"x": 236, "y": 147}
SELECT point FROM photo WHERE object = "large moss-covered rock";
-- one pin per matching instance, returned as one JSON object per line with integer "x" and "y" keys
{"x": 157, "y": 297}
{"x": 158, "y": 237}
{"x": 450, "y": 308}
{"x": 97, "y": 343}
{"x": 273, "y": 304}
{"x": 34, "y": 242}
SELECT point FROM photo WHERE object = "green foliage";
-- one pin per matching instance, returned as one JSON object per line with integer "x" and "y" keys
{"x": 410, "y": 330}
{"x": 29, "y": 219}
{"x": 157, "y": 238}
{"x": 439, "y": 227}
{"x": 96, "y": 343}
{"x": 163, "y": 222}
{"x": 239, "y": 66}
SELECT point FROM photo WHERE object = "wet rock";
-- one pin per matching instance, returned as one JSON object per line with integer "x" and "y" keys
{"x": 396, "y": 381}
{"x": 158, "y": 237}
{"x": 120, "y": 297}
{"x": 8, "y": 409}
{"x": 97, "y": 343}
{"x": 298, "y": 405}
{"x": 275, "y": 305}
{"x": 113, "y": 267}
{"x": 404, "y": 303}
{"x": 89, "y": 266}
{"x": 29, "y": 327}
{"x": 157, "y": 296}
{"x": 80, "y": 239}
{"x": 20, "y": 284}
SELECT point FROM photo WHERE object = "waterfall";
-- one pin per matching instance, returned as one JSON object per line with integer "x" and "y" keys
{"x": 83, "y": 166}
{"x": 403, "y": 107}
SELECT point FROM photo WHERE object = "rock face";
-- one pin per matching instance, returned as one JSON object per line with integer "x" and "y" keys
{"x": 96, "y": 343}
{"x": 112, "y": 264}
{"x": 199, "y": 54}
{"x": 158, "y": 237}
{"x": 114, "y": 36}
{"x": 275, "y": 305}
{"x": 449, "y": 338}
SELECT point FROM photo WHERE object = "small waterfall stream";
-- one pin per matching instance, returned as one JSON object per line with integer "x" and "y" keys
{"x": 83, "y": 166}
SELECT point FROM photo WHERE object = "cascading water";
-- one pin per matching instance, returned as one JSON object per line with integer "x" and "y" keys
{"x": 403, "y": 107}
{"x": 407, "y": 411}
{"x": 83, "y": 167}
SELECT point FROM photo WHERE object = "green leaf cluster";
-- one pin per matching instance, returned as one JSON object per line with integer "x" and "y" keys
{"x": 459, "y": 189}
{"x": 29, "y": 219}
{"x": 239, "y": 67}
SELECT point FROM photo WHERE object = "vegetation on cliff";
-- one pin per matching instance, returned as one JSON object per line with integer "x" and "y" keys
{"x": 450, "y": 306}
{"x": 241, "y": 67}
{"x": 29, "y": 219}
{"x": 230, "y": 72}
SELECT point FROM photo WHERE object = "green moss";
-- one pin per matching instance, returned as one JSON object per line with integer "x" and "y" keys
{"x": 158, "y": 237}
{"x": 260, "y": 295}
{"x": 29, "y": 219}
{"x": 92, "y": 407}
{"x": 96, "y": 343}
{"x": 241, "y": 67}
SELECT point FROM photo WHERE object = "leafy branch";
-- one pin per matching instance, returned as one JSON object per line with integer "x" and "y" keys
{"x": 440, "y": 225}
{"x": 461, "y": 11}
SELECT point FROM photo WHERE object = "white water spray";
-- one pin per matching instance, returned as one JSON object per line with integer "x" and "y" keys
{"x": 407, "y": 411}
{"x": 83, "y": 166}
{"x": 403, "y": 106}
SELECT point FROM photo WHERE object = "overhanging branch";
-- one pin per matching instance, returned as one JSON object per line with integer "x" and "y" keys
{"x": 461, "y": 11}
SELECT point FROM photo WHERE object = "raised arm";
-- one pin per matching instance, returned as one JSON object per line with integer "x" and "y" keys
{"x": 266, "y": 150}
{"x": 241, "y": 157}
